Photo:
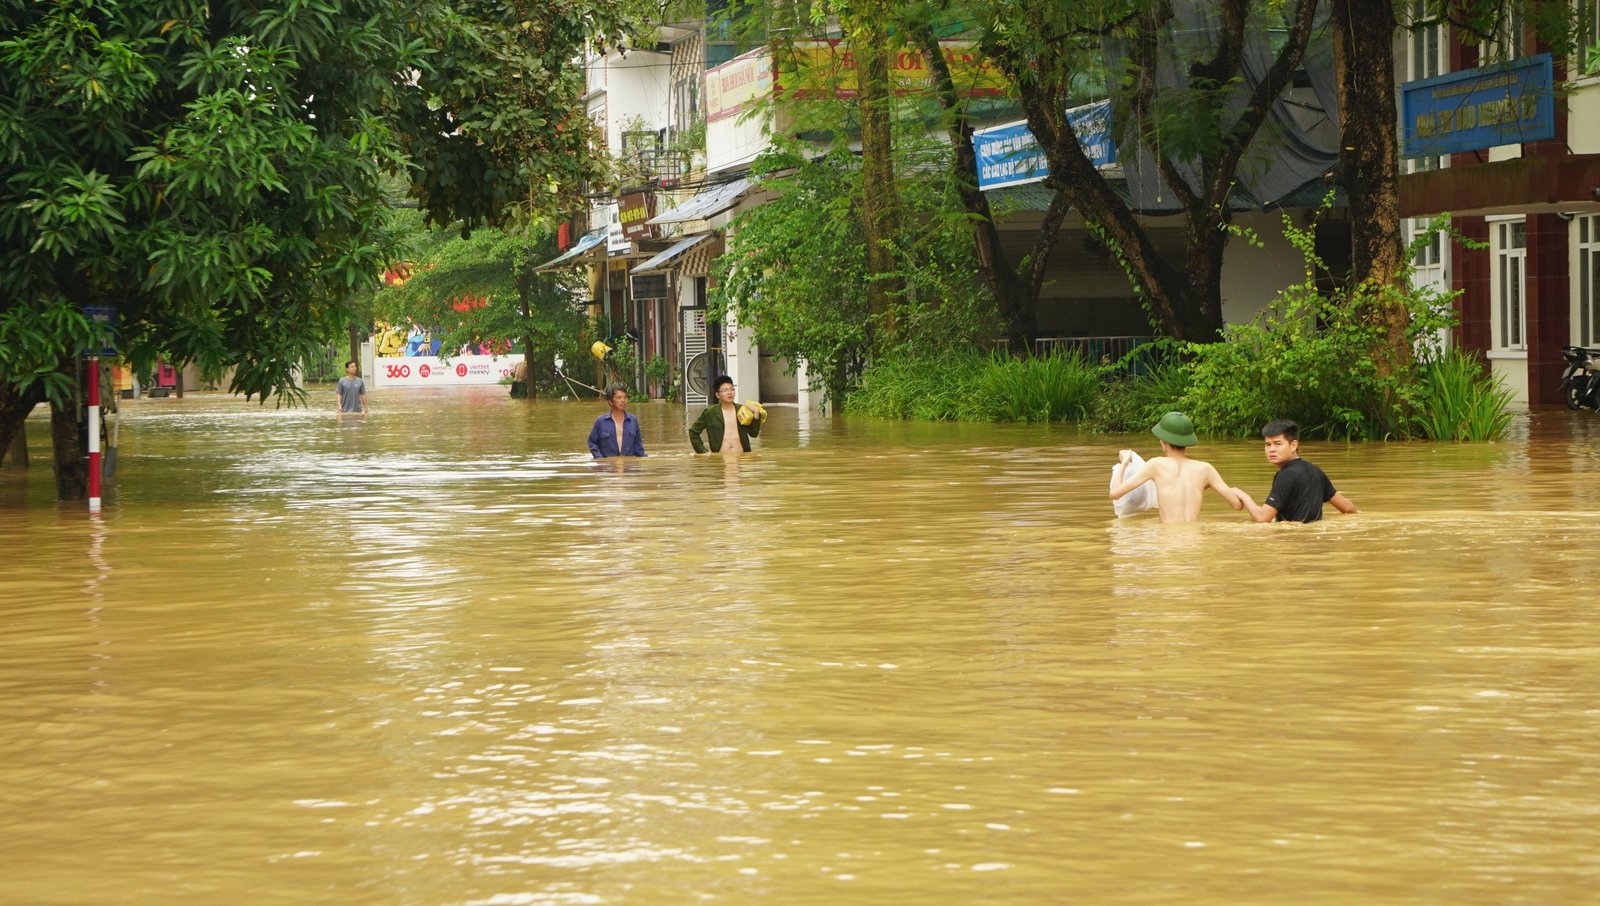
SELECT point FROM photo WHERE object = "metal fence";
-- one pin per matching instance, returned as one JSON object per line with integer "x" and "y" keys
{"x": 1099, "y": 350}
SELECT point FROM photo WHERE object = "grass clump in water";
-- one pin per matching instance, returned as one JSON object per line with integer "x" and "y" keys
{"x": 1462, "y": 400}
{"x": 975, "y": 387}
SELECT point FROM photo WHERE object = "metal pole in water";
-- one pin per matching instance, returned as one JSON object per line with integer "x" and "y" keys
{"x": 94, "y": 434}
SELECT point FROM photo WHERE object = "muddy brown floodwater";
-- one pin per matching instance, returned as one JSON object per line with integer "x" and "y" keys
{"x": 441, "y": 657}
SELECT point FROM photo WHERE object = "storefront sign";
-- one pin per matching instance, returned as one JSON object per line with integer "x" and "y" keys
{"x": 634, "y": 211}
{"x": 432, "y": 371}
{"x": 1505, "y": 104}
{"x": 649, "y": 286}
{"x": 738, "y": 84}
{"x": 827, "y": 69}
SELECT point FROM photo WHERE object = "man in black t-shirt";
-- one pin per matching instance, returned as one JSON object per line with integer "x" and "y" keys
{"x": 1300, "y": 489}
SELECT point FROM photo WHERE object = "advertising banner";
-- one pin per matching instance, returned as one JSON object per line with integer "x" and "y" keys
{"x": 433, "y": 371}
{"x": 1505, "y": 104}
{"x": 1009, "y": 155}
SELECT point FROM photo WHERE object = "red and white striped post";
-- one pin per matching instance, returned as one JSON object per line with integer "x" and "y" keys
{"x": 94, "y": 434}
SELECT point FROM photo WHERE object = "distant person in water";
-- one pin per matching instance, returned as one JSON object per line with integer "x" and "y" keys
{"x": 1180, "y": 481}
{"x": 726, "y": 426}
{"x": 351, "y": 392}
{"x": 1299, "y": 489}
{"x": 615, "y": 432}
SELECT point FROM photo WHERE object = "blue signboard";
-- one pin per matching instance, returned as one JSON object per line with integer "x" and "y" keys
{"x": 1009, "y": 155}
{"x": 1092, "y": 122}
{"x": 104, "y": 320}
{"x": 1504, "y": 104}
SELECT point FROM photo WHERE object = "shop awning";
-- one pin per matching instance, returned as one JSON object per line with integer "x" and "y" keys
{"x": 570, "y": 256}
{"x": 666, "y": 259}
{"x": 710, "y": 202}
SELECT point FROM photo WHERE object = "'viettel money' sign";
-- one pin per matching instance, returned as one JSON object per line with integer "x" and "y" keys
{"x": 1505, "y": 104}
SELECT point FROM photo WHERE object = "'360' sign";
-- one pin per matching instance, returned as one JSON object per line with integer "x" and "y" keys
{"x": 397, "y": 371}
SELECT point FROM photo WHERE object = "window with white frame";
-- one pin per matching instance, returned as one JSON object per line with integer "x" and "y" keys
{"x": 1585, "y": 232}
{"x": 1508, "y": 41}
{"x": 1431, "y": 253}
{"x": 1427, "y": 54}
{"x": 1431, "y": 269}
{"x": 1509, "y": 283}
{"x": 1585, "y": 59}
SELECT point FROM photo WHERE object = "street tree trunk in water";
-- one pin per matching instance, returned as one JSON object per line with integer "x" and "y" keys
{"x": 1016, "y": 295}
{"x": 1363, "y": 32}
{"x": 14, "y": 409}
{"x": 880, "y": 197}
{"x": 68, "y": 443}
{"x": 19, "y": 447}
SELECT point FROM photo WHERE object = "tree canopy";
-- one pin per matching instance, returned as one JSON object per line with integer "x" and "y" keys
{"x": 215, "y": 170}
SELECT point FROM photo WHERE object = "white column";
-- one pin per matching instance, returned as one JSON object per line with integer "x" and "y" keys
{"x": 809, "y": 400}
{"x": 744, "y": 358}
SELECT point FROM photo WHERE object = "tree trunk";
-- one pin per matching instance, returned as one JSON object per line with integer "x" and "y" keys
{"x": 880, "y": 198}
{"x": 1363, "y": 32}
{"x": 1179, "y": 306}
{"x": 14, "y": 409}
{"x": 355, "y": 345}
{"x": 530, "y": 387}
{"x": 1202, "y": 270}
{"x": 68, "y": 442}
{"x": 1016, "y": 300}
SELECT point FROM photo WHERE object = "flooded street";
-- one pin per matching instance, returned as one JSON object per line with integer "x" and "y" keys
{"x": 441, "y": 657}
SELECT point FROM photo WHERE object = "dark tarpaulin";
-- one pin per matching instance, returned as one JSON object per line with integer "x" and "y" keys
{"x": 1297, "y": 143}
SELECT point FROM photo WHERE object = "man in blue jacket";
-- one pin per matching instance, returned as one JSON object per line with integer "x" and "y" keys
{"x": 615, "y": 433}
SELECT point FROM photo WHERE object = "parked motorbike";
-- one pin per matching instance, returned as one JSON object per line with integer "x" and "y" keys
{"x": 1580, "y": 386}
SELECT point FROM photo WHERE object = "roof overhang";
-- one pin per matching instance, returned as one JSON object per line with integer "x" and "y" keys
{"x": 711, "y": 201}
{"x": 578, "y": 254}
{"x": 666, "y": 260}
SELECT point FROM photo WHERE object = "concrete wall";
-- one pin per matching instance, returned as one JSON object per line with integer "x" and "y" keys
{"x": 638, "y": 87}
{"x": 735, "y": 141}
{"x": 1086, "y": 292}
{"x": 776, "y": 385}
{"x": 744, "y": 359}
{"x": 1583, "y": 120}
{"x": 1253, "y": 277}
{"x": 1514, "y": 371}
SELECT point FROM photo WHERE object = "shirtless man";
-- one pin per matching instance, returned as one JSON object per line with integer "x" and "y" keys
{"x": 1180, "y": 481}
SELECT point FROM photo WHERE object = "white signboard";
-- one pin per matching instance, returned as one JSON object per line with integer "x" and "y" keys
{"x": 432, "y": 371}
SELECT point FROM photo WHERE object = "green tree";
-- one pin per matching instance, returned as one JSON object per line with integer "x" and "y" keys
{"x": 797, "y": 268}
{"x": 215, "y": 170}
{"x": 1362, "y": 32}
{"x": 1014, "y": 285}
{"x": 1196, "y": 116}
